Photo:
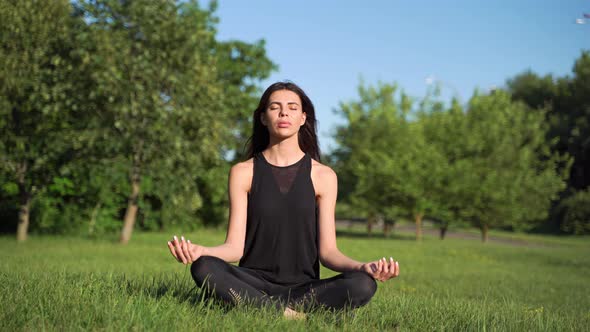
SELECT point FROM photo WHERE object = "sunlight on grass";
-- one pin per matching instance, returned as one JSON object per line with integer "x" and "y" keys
{"x": 54, "y": 283}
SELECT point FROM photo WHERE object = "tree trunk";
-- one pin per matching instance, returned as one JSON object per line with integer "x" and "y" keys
{"x": 133, "y": 201}
{"x": 370, "y": 221}
{"x": 443, "y": 231}
{"x": 93, "y": 216}
{"x": 25, "y": 204}
{"x": 131, "y": 213}
{"x": 418, "y": 218}
{"x": 23, "y": 217}
{"x": 484, "y": 233}
{"x": 386, "y": 229}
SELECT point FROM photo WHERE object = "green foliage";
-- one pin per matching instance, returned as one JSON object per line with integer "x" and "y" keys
{"x": 488, "y": 164}
{"x": 443, "y": 129}
{"x": 575, "y": 213}
{"x": 156, "y": 90}
{"x": 37, "y": 95}
{"x": 96, "y": 94}
{"x": 33, "y": 86}
{"x": 377, "y": 129}
{"x": 566, "y": 103}
{"x": 513, "y": 177}
{"x": 240, "y": 66}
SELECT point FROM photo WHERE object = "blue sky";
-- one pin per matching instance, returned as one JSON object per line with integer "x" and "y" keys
{"x": 327, "y": 46}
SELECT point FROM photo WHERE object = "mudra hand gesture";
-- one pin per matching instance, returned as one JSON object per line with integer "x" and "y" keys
{"x": 382, "y": 269}
{"x": 184, "y": 251}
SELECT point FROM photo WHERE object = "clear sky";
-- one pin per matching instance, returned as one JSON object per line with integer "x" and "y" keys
{"x": 327, "y": 46}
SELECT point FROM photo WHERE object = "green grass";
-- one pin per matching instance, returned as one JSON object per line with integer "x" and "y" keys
{"x": 54, "y": 283}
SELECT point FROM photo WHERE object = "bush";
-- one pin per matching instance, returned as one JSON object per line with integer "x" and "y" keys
{"x": 575, "y": 213}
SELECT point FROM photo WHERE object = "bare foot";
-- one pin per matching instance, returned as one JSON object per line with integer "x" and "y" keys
{"x": 292, "y": 314}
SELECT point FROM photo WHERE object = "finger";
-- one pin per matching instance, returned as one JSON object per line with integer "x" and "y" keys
{"x": 379, "y": 270}
{"x": 179, "y": 250}
{"x": 392, "y": 268}
{"x": 172, "y": 251}
{"x": 174, "y": 243}
{"x": 186, "y": 250}
{"x": 385, "y": 266}
{"x": 385, "y": 272}
{"x": 396, "y": 269}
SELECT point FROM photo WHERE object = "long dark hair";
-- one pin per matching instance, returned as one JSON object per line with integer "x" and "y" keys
{"x": 308, "y": 140}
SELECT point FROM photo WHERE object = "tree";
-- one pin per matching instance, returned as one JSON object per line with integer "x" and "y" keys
{"x": 393, "y": 171}
{"x": 575, "y": 212}
{"x": 166, "y": 100}
{"x": 489, "y": 164}
{"x": 240, "y": 67}
{"x": 37, "y": 98}
{"x": 566, "y": 103}
{"x": 444, "y": 128}
{"x": 154, "y": 75}
{"x": 511, "y": 177}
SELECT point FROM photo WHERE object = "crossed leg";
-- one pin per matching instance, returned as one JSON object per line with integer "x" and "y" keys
{"x": 234, "y": 285}
{"x": 231, "y": 284}
{"x": 348, "y": 290}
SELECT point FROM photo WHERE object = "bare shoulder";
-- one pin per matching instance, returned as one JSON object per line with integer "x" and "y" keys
{"x": 241, "y": 174}
{"x": 323, "y": 177}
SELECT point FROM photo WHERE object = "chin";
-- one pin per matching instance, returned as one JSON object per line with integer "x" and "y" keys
{"x": 284, "y": 135}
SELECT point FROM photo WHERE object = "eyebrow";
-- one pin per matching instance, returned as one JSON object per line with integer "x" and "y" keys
{"x": 289, "y": 103}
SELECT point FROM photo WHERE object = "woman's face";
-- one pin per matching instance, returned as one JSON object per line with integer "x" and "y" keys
{"x": 284, "y": 114}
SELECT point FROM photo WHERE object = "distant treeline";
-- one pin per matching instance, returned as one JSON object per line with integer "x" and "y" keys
{"x": 516, "y": 158}
{"x": 118, "y": 115}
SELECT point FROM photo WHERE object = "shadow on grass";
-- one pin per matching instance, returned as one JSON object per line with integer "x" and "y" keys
{"x": 179, "y": 287}
{"x": 365, "y": 235}
{"x": 185, "y": 291}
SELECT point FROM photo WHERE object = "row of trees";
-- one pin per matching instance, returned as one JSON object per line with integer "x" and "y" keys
{"x": 114, "y": 111}
{"x": 565, "y": 101}
{"x": 494, "y": 162}
{"x": 108, "y": 107}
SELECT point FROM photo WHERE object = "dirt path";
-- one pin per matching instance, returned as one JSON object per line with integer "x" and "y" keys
{"x": 468, "y": 236}
{"x": 408, "y": 229}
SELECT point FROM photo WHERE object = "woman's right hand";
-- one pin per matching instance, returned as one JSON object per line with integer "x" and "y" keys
{"x": 184, "y": 251}
{"x": 382, "y": 269}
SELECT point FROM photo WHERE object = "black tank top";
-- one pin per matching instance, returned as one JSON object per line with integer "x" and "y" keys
{"x": 281, "y": 230}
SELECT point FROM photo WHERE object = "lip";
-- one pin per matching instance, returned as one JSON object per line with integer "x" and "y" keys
{"x": 283, "y": 124}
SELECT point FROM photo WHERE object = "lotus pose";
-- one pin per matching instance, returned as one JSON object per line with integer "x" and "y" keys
{"x": 281, "y": 221}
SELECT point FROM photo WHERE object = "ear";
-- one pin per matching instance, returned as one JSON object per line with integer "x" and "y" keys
{"x": 303, "y": 118}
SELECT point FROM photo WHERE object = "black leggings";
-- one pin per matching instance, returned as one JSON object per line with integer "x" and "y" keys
{"x": 235, "y": 285}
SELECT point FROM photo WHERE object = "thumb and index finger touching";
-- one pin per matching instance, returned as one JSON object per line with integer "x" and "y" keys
{"x": 179, "y": 249}
{"x": 383, "y": 269}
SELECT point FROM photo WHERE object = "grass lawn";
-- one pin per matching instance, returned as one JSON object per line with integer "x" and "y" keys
{"x": 73, "y": 283}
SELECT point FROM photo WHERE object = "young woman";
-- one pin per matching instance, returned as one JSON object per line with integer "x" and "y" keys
{"x": 281, "y": 223}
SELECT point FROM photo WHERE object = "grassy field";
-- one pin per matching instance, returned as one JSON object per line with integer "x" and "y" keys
{"x": 54, "y": 283}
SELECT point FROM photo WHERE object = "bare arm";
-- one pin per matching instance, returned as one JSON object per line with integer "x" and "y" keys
{"x": 240, "y": 178}
{"x": 326, "y": 185}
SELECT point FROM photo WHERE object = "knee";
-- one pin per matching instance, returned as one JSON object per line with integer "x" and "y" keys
{"x": 204, "y": 268}
{"x": 362, "y": 289}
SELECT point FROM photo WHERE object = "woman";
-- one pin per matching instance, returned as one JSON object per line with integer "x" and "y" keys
{"x": 281, "y": 223}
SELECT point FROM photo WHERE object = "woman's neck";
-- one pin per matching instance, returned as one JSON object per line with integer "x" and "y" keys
{"x": 283, "y": 153}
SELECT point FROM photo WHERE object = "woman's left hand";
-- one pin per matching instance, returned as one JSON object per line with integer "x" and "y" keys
{"x": 382, "y": 269}
{"x": 184, "y": 251}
